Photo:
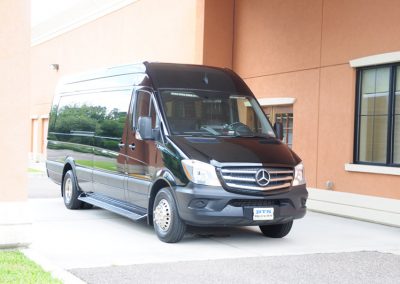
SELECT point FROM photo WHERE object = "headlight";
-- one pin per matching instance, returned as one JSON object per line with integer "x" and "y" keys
{"x": 200, "y": 173}
{"x": 299, "y": 177}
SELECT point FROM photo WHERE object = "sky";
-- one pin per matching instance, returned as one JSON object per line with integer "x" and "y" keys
{"x": 41, "y": 10}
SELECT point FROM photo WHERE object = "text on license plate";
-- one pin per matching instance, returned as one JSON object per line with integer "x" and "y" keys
{"x": 263, "y": 214}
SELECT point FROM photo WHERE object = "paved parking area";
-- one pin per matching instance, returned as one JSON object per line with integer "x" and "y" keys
{"x": 84, "y": 240}
{"x": 350, "y": 267}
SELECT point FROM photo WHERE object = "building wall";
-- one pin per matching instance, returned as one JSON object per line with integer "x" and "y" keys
{"x": 142, "y": 31}
{"x": 14, "y": 109}
{"x": 14, "y": 98}
{"x": 301, "y": 49}
{"x": 218, "y": 33}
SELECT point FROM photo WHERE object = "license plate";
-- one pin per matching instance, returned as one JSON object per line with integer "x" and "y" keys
{"x": 263, "y": 214}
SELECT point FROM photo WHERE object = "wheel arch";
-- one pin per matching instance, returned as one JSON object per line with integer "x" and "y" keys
{"x": 156, "y": 187}
{"x": 69, "y": 164}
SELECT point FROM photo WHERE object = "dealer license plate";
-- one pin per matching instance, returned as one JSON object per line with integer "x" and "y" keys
{"x": 263, "y": 214}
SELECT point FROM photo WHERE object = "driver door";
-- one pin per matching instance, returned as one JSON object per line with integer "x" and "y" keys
{"x": 141, "y": 154}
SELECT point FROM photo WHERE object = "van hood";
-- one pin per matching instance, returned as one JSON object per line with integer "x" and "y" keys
{"x": 268, "y": 151}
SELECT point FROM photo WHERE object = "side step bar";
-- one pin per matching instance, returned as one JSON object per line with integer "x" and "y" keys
{"x": 107, "y": 204}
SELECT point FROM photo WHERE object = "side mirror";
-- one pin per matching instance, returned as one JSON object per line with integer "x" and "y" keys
{"x": 144, "y": 128}
{"x": 278, "y": 126}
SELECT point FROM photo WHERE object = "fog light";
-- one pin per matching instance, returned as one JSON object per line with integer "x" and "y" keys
{"x": 198, "y": 203}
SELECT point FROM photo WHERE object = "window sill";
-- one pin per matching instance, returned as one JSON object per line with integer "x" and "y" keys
{"x": 377, "y": 59}
{"x": 372, "y": 169}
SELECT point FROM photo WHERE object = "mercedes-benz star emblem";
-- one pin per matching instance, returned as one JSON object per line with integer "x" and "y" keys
{"x": 262, "y": 177}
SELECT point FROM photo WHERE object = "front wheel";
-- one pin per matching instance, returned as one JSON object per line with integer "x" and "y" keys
{"x": 71, "y": 191}
{"x": 276, "y": 230}
{"x": 167, "y": 224}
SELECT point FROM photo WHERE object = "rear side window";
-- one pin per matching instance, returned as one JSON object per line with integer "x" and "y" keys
{"x": 111, "y": 109}
{"x": 75, "y": 114}
{"x": 81, "y": 117}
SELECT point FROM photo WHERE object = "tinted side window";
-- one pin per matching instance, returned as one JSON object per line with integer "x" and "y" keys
{"x": 76, "y": 114}
{"x": 80, "y": 117}
{"x": 110, "y": 124}
{"x": 114, "y": 108}
{"x": 74, "y": 122}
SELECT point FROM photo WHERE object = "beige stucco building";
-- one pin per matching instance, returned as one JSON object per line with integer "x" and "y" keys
{"x": 14, "y": 118}
{"x": 304, "y": 60}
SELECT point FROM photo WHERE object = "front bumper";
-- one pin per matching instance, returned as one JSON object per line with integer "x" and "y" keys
{"x": 201, "y": 205}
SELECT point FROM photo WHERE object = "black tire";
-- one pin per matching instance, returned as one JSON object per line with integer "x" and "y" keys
{"x": 86, "y": 205}
{"x": 171, "y": 229}
{"x": 276, "y": 230}
{"x": 71, "y": 191}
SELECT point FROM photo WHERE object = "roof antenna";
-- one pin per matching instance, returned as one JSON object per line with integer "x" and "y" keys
{"x": 205, "y": 79}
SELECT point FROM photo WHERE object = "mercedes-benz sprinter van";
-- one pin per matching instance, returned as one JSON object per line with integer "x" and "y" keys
{"x": 174, "y": 144}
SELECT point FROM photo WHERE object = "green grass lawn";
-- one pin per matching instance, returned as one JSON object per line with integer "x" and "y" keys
{"x": 110, "y": 166}
{"x": 15, "y": 267}
{"x": 35, "y": 171}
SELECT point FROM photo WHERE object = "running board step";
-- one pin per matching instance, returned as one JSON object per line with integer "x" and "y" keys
{"x": 92, "y": 199}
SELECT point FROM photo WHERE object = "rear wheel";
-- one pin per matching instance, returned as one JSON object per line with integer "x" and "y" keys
{"x": 71, "y": 191}
{"x": 276, "y": 230}
{"x": 167, "y": 224}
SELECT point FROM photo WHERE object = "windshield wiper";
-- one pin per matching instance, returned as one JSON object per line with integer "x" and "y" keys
{"x": 254, "y": 136}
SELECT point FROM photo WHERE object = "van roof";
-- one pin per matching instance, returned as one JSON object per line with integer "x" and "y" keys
{"x": 169, "y": 75}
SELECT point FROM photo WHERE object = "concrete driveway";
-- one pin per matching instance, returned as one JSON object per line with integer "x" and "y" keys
{"x": 84, "y": 240}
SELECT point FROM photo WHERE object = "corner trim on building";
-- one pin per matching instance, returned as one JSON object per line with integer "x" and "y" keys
{"x": 276, "y": 101}
{"x": 372, "y": 169}
{"x": 42, "y": 34}
{"x": 377, "y": 59}
{"x": 380, "y": 210}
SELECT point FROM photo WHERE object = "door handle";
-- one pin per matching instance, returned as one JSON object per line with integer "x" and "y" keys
{"x": 121, "y": 145}
{"x": 132, "y": 146}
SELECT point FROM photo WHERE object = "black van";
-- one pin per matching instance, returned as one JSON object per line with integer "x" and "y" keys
{"x": 175, "y": 144}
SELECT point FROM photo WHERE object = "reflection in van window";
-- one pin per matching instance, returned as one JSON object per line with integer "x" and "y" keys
{"x": 98, "y": 114}
{"x": 214, "y": 113}
{"x": 145, "y": 107}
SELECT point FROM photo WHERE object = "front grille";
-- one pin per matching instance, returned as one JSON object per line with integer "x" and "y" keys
{"x": 244, "y": 178}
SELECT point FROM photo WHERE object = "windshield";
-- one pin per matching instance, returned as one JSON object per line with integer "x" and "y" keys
{"x": 207, "y": 113}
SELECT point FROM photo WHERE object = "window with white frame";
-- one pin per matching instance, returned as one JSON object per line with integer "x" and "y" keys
{"x": 377, "y": 133}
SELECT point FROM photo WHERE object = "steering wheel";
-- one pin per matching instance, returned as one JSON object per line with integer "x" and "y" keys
{"x": 239, "y": 128}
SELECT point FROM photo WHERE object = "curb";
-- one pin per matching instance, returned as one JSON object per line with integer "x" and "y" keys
{"x": 57, "y": 272}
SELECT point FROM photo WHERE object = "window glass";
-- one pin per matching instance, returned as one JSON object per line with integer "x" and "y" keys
{"x": 75, "y": 115}
{"x": 142, "y": 105}
{"x": 382, "y": 80}
{"x": 379, "y": 117}
{"x": 375, "y": 91}
{"x": 368, "y": 81}
{"x": 210, "y": 113}
{"x": 396, "y": 142}
{"x": 287, "y": 121}
{"x": 373, "y": 139}
{"x": 397, "y": 97}
{"x": 103, "y": 114}
{"x": 374, "y": 115}
{"x": 145, "y": 107}
{"x": 110, "y": 109}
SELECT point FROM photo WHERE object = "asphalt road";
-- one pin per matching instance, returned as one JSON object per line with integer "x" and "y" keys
{"x": 353, "y": 267}
{"x": 101, "y": 247}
